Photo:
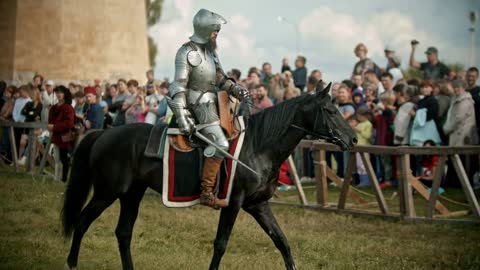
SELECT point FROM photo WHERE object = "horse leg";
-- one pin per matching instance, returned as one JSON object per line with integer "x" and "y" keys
{"x": 91, "y": 212}
{"x": 129, "y": 204}
{"x": 264, "y": 216}
{"x": 225, "y": 226}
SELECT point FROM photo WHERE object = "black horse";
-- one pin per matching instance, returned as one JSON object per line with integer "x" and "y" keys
{"x": 112, "y": 161}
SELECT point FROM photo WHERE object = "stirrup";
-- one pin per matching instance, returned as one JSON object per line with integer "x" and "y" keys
{"x": 212, "y": 201}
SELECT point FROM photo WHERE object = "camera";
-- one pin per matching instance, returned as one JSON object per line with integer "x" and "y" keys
{"x": 414, "y": 42}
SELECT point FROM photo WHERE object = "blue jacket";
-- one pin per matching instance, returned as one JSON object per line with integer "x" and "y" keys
{"x": 95, "y": 115}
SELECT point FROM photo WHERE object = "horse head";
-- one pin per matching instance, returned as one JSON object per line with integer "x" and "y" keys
{"x": 323, "y": 120}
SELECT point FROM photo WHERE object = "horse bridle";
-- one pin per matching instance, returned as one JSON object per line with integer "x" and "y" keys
{"x": 332, "y": 136}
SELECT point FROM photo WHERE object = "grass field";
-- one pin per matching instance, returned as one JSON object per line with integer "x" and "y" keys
{"x": 165, "y": 238}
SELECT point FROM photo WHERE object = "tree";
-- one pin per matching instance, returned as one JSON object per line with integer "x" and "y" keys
{"x": 154, "y": 10}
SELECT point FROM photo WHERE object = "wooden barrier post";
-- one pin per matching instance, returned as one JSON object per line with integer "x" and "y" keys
{"x": 437, "y": 179}
{"x": 406, "y": 187}
{"x": 321, "y": 177}
{"x": 13, "y": 148}
{"x": 467, "y": 188}
{"x": 347, "y": 181}
{"x": 296, "y": 180}
{"x": 382, "y": 204}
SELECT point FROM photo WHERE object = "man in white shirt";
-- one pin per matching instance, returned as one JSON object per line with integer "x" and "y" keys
{"x": 48, "y": 99}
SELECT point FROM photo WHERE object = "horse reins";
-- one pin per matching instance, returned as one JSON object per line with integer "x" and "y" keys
{"x": 332, "y": 136}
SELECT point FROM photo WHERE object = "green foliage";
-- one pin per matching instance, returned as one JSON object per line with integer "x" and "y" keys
{"x": 154, "y": 10}
{"x": 152, "y": 50}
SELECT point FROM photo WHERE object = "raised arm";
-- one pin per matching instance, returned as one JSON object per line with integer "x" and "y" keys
{"x": 414, "y": 64}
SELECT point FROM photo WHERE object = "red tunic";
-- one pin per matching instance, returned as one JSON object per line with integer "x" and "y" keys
{"x": 62, "y": 117}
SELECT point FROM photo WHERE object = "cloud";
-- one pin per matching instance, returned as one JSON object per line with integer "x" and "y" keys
{"x": 236, "y": 48}
{"x": 335, "y": 35}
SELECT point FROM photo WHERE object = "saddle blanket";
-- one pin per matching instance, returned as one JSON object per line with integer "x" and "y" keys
{"x": 182, "y": 172}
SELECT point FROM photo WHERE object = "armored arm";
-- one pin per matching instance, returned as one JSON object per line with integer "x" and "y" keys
{"x": 228, "y": 84}
{"x": 177, "y": 91}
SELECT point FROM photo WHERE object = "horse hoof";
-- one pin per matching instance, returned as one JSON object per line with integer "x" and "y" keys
{"x": 69, "y": 268}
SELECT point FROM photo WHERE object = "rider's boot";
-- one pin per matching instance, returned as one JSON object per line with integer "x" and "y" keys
{"x": 210, "y": 170}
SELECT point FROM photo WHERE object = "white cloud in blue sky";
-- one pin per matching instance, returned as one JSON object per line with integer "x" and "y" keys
{"x": 328, "y": 31}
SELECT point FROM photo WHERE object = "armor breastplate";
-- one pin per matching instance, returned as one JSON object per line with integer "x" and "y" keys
{"x": 202, "y": 76}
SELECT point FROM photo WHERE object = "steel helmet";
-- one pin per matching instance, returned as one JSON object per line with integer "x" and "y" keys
{"x": 205, "y": 23}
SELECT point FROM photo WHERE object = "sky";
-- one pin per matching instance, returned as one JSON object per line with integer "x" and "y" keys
{"x": 327, "y": 31}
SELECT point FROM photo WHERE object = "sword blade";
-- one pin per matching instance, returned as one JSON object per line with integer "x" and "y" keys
{"x": 225, "y": 153}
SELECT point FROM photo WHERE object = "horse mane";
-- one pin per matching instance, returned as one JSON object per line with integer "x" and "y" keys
{"x": 264, "y": 127}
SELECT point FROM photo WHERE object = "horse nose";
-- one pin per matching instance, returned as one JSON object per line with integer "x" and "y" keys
{"x": 354, "y": 140}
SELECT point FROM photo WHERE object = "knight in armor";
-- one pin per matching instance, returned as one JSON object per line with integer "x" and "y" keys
{"x": 193, "y": 96}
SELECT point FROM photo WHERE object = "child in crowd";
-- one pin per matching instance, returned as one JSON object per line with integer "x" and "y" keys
{"x": 429, "y": 165}
{"x": 363, "y": 128}
{"x": 384, "y": 118}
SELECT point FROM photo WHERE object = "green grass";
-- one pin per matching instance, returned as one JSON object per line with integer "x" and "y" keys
{"x": 30, "y": 237}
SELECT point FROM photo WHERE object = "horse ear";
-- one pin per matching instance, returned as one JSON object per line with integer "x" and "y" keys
{"x": 323, "y": 92}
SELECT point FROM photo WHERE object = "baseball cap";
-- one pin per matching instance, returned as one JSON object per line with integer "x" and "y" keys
{"x": 388, "y": 49}
{"x": 431, "y": 50}
{"x": 50, "y": 82}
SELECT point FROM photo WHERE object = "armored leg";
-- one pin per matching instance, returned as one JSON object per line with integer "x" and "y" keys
{"x": 211, "y": 167}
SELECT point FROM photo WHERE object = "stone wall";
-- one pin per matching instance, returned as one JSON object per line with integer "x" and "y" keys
{"x": 77, "y": 40}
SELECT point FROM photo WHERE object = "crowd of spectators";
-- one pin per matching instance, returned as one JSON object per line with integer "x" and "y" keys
{"x": 381, "y": 104}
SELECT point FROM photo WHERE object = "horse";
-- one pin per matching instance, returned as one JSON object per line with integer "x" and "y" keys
{"x": 112, "y": 162}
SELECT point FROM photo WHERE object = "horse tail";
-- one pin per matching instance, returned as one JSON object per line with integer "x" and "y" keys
{"x": 79, "y": 185}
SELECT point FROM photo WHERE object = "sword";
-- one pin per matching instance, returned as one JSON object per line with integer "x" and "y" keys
{"x": 225, "y": 153}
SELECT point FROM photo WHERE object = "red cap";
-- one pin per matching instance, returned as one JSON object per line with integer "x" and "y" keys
{"x": 90, "y": 90}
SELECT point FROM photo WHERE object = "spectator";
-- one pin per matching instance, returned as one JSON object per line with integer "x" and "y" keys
{"x": 334, "y": 92}
{"x": 433, "y": 69}
{"x": 316, "y": 74}
{"x": 291, "y": 92}
{"x": 48, "y": 99}
{"x": 112, "y": 93}
{"x": 474, "y": 90}
{"x": 9, "y": 97}
{"x": 395, "y": 70}
{"x": 358, "y": 99}
{"x": 137, "y": 112}
{"x": 300, "y": 73}
{"x": 60, "y": 124}
{"x": 387, "y": 82}
{"x": 163, "y": 111}
{"x": 117, "y": 107}
{"x": 262, "y": 101}
{"x": 20, "y": 102}
{"x": 253, "y": 76}
{"x": 357, "y": 80}
{"x": 443, "y": 96}
{"x": 94, "y": 116}
{"x": 284, "y": 84}
{"x": 389, "y": 53}
{"x": 267, "y": 75}
{"x": 460, "y": 125}
{"x": 236, "y": 74}
{"x": 384, "y": 119}
{"x": 285, "y": 66}
{"x": 364, "y": 64}
{"x": 152, "y": 102}
{"x": 37, "y": 82}
{"x": 345, "y": 105}
{"x": 428, "y": 168}
{"x": 33, "y": 109}
{"x": 427, "y": 101}
{"x": 371, "y": 77}
{"x": 403, "y": 120}
{"x": 149, "y": 85}
{"x": 363, "y": 128}
{"x": 311, "y": 85}
{"x": 3, "y": 86}
{"x": 369, "y": 92}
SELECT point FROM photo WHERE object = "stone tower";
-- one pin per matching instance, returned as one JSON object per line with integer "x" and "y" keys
{"x": 73, "y": 40}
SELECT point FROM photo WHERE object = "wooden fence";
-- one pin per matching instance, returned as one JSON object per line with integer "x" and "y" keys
{"x": 33, "y": 147}
{"x": 407, "y": 181}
